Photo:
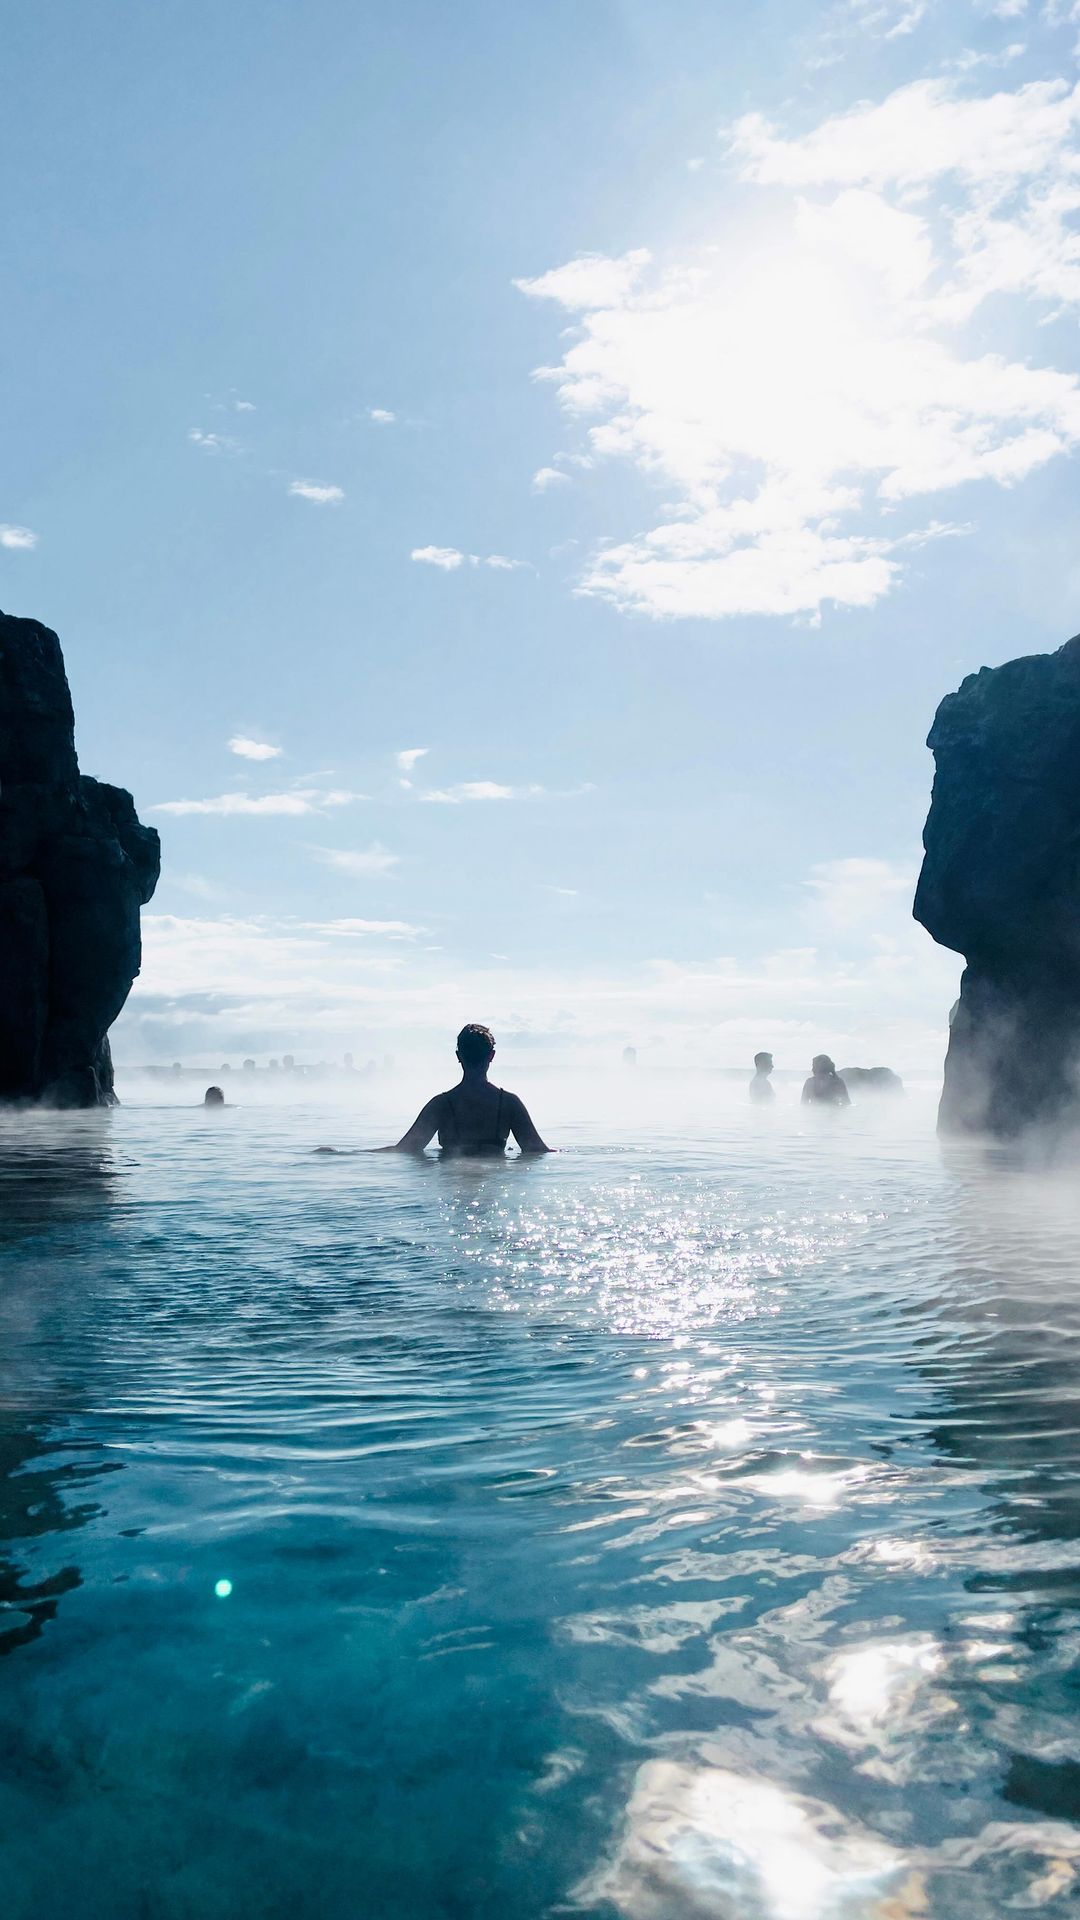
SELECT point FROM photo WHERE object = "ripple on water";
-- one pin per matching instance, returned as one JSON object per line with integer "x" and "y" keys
{"x": 681, "y": 1533}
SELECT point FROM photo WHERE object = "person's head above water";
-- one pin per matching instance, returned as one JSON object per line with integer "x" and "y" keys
{"x": 763, "y": 1062}
{"x": 213, "y": 1097}
{"x": 475, "y": 1047}
{"x": 821, "y": 1064}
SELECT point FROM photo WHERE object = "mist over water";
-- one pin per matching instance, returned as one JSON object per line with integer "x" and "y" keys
{"x": 684, "y": 1525}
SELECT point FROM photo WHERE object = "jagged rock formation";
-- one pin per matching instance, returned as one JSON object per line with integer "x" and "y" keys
{"x": 75, "y": 867}
{"x": 1000, "y": 884}
{"x": 871, "y": 1080}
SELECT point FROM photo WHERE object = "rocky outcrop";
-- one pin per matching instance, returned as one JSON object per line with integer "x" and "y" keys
{"x": 871, "y": 1080}
{"x": 1000, "y": 884}
{"x": 75, "y": 867}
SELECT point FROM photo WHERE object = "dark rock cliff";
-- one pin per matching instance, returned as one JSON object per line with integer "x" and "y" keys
{"x": 75, "y": 867}
{"x": 1000, "y": 883}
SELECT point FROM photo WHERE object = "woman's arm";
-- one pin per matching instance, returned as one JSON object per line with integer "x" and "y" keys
{"x": 522, "y": 1128}
{"x": 423, "y": 1128}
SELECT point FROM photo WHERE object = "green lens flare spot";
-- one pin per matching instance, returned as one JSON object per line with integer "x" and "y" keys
{"x": 223, "y": 1588}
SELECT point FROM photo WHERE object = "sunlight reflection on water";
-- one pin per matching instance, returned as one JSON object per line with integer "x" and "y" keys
{"x": 672, "y": 1532}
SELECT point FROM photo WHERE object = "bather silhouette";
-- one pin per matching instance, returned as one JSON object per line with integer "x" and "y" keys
{"x": 761, "y": 1088}
{"x": 474, "y": 1117}
{"x": 824, "y": 1087}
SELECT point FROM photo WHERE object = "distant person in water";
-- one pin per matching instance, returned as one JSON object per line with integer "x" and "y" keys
{"x": 474, "y": 1117}
{"x": 761, "y": 1087}
{"x": 213, "y": 1097}
{"x": 824, "y": 1087}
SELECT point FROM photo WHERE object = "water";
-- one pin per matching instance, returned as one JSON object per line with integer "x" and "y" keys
{"x": 662, "y": 1533}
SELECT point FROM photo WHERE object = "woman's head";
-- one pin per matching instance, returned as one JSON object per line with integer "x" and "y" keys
{"x": 475, "y": 1045}
{"x": 213, "y": 1097}
{"x": 822, "y": 1064}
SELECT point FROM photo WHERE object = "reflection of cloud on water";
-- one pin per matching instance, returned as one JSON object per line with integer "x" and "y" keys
{"x": 703, "y": 1843}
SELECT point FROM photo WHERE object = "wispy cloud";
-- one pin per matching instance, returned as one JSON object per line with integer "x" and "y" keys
{"x": 18, "y": 539}
{"x": 382, "y": 416}
{"x": 450, "y": 558}
{"x": 877, "y": 994}
{"x": 213, "y": 442}
{"x": 793, "y": 383}
{"x": 316, "y": 491}
{"x": 467, "y": 790}
{"x": 547, "y": 477}
{"x": 300, "y": 800}
{"x": 249, "y": 749}
{"x": 198, "y": 886}
{"x": 592, "y": 280}
{"x": 408, "y": 757}
{"x": 471, "y": 790}
{"x": 446, "y": 557}
{"x": 858, "y": 892}
{"x": 365, "y": 929}
{"x": 361, "y": 863}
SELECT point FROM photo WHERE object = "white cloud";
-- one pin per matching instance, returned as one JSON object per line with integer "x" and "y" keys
{"x": 792, "y": 383}
{"x": 212, "y": 442}
{"x": 450, "y": 558}
{"x": 874, "y": 994}
{"x": 361, "y": 863}
{"x": 592, "y": 280}
{"x": 858, "y": 892}
{"x": 315, "y": 490}
{"x": 382, "y": 416}
{"x": 249, "y": 749}
{"x": 300, "y": 800}
{"x": 547, "y": 477}
{"x": 197, "y": 885}
{"x": 365, "y": 929}
{"x": 244, "y": 406}
{"x": 446, "y": 557}
{"x": 916, "y": 135}
{"x": 408, "y": 757}
{"x": 18, "y": 539}
{"x": 471, "y": 790}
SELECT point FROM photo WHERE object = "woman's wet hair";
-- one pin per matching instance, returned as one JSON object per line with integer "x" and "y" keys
{"x": 213, "y": 1097}
{"x": 475, "y": 1045}
{"x": 822, "y": 1064}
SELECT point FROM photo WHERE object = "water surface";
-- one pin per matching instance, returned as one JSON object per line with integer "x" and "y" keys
{"x": 664, "y": 1533}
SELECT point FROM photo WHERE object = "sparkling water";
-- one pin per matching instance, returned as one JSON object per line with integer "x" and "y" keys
{"x": 683, "y": 1531}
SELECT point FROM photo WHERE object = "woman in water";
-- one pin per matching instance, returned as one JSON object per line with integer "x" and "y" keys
{"x": 474, "y": 1117}
{"x": 824, "y": 1087}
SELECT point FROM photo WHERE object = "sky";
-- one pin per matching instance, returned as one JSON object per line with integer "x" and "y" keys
{"x": 514, "y": 483}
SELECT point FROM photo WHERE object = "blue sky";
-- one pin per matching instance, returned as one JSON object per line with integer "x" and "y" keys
{"x": 648, "y": 410}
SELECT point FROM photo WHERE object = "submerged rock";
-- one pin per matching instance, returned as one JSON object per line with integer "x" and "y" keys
{"x": 871, "y": 1080}
{"x": 1000, "y": 884}
{"x": 75, "y": 867}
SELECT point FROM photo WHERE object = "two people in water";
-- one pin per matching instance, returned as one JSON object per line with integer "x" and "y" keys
{"x": 824, "y": 1088}
{"x": 474, "y": 1117}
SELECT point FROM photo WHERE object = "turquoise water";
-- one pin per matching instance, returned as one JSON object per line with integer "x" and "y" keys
{"x": 666, "y": 1533}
